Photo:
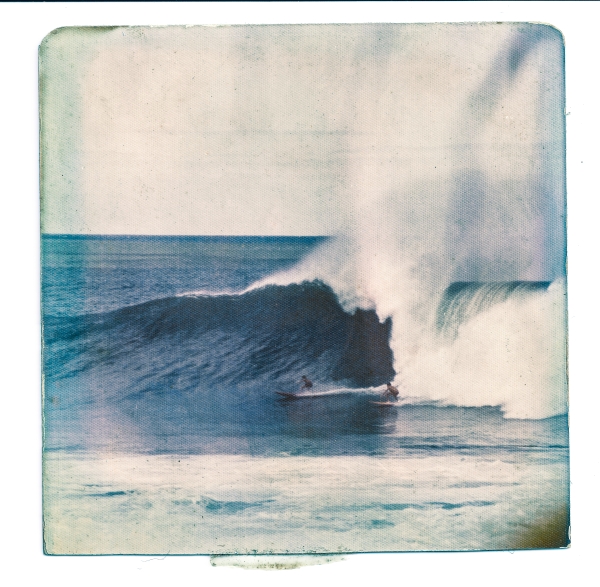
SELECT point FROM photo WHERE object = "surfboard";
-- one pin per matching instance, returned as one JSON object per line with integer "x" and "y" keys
{"x": 290, "y": 395}
{"x": 384, "y": 403}
{"x": 305, "y": 395}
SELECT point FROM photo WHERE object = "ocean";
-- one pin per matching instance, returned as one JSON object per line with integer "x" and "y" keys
{"x": 163, "y": 432}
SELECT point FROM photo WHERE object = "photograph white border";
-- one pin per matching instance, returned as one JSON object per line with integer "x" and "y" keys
{"x": 25, "y": 25}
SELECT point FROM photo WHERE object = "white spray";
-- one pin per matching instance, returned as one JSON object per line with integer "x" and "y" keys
{"x": 443, "y": 188}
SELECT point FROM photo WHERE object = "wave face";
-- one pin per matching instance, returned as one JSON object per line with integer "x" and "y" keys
{"x": 265, "y": 334}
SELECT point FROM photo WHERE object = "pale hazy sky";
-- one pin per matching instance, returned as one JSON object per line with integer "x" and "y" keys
{"x": 299, "y": 130}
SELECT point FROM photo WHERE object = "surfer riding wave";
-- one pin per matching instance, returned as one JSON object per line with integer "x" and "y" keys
{"x": 391, "y": 393}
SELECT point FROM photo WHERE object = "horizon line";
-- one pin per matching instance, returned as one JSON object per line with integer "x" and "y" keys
{"x": 100, "y": 235}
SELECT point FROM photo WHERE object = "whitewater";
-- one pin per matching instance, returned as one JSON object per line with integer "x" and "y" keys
{"x": 465, "y": 344}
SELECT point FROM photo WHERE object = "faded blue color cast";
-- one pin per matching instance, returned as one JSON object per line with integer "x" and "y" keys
{"x": 150, "y": 348}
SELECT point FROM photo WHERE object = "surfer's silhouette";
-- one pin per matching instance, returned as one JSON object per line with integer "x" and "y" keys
{"x": 306, "y": 383}
{"x": 391, "y": 392}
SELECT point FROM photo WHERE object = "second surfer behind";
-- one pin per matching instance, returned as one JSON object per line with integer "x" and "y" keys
{"x": 306, "y": 383}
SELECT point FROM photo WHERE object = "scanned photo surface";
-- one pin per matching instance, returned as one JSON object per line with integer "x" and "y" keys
{"x": 303, "y": 289}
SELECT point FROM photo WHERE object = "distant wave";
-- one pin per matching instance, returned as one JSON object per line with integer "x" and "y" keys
{"x": 464, "y": 300}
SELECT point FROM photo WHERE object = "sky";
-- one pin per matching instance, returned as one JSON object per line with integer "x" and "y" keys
{"x": 304, "y": 130}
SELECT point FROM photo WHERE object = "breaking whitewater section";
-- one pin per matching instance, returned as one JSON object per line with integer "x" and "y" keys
{"x": 472, "y": 344}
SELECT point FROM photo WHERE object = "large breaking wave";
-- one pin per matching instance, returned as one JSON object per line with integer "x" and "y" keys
{"x": 482, "y": 344}
{"x": 270, "y": 334}
{"x": 465, "y": 344}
